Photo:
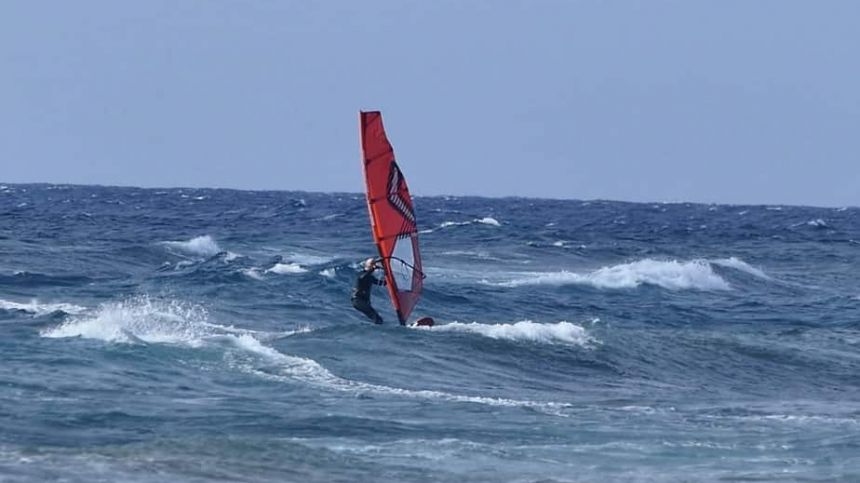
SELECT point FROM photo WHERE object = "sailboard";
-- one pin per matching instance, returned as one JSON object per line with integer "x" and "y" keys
{"x": 392, "y": 217}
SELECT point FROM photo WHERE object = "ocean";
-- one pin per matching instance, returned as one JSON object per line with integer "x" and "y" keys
{"x": 201, "y": 335}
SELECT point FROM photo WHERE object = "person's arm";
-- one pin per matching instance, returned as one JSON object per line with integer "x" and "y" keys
{"x": 376, "y": 280}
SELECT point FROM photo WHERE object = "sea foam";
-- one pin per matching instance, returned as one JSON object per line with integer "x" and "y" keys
{"x": 526, "y": 330}
{"x": 202, "y": 246}
{"x": 487, "y": 220}
{"x": 157, "y": 321}
{"x": 40, "y": 308}
{"x": 668, "y": 274}
{"x": 286, "y": 268}
{"x": 299, "y": 369}
{"x": 139, "y": 319}
{"x": 144, "y": 319}
{"x": 741, "y": 265}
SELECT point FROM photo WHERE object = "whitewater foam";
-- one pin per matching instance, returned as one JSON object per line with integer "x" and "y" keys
{"x": 741, "y": 265}
{"x": 480, "y": 254}
{"x": 293, "y": 368}
{"x": 307, "y": 259}
{"x": 139, "y": 319}
{"x": 487, "y": 220}
{"x": 38, "y": 308}
{"x": 201, "y": 246}
{"x": 526, "y": 330}
{"x": 668, "y": 274}
{"x": 145, "y": 319}
{"x": 815, "y": 223}
{"x": 252, "y": 273}
{"x": 285, "y": 268}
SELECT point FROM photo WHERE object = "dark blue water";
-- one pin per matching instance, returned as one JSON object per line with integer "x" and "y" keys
{"x": 207, "y": 335}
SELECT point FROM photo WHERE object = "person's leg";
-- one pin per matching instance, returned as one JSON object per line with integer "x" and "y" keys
{"x": 364, "y": 307}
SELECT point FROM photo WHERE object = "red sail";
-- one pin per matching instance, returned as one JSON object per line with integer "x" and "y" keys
{"x": 392, "y": 217}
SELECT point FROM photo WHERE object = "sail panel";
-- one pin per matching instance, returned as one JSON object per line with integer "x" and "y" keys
{"x": 392, "y": 216}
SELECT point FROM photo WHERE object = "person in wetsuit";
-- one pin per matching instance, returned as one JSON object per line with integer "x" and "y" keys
{"x": 361, "y": 292}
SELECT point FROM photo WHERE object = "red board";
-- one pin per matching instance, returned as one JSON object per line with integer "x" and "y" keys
{"x": 392, "y": 217}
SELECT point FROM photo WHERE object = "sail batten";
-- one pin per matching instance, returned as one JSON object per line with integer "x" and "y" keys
{"x": 392, "y": 216}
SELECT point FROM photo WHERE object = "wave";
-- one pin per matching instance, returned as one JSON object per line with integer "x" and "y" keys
{"x": 293, "y": 368}
{"x": 36, "y": 308}
{"x": 203, "y": 246}
{"x": 286, "y": 268}
{"x": 479, "y": 254}
{"x": 292, "y": 264}
{"x": 146, "y": 320}
{"x": 487, "y": 220}
{"x": 671, "y": 275}
{"x": 526, "y": 330}
{"x": 741, "y": 265}
{"x": 308, "y": 259}
{"x": 252, "y": 273}
{"x": 140, "y": 319}
{"x": 814, "y": 223}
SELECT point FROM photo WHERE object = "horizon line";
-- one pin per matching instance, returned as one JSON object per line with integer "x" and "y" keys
{"x": 492, "y": 197}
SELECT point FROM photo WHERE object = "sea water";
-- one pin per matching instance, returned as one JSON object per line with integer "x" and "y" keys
{"x": 154, "y": 335}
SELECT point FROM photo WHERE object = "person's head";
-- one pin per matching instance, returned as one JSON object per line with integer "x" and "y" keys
{"x": 369, "y": 264}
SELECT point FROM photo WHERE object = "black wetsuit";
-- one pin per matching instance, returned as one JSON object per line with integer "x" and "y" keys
{"x": 361, "y": 294}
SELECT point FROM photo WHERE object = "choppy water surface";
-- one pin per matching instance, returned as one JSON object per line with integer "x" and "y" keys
{"x": 207, "y": 335}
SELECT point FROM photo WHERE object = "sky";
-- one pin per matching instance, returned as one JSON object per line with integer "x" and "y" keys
{"x": 729, "y": 101}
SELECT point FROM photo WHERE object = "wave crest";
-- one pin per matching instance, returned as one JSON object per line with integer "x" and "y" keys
{"x": 203, "y": 246}
{"x": 487, "y": 220}
{"x": 147, "y": 320}
{"x": 285, "y": 268}
{"x": 38, "y": 308}
{"x": 308, "y": 371}
{"x": 139, "y": 319}
{"x": 144, "y": 319}
{"x": 526, "y": 330}
{"x": 741, "y": 265}
{"x": 668, "y": 274}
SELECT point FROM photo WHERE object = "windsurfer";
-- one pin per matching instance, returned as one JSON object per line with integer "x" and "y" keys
{"x": 361, "y": 292}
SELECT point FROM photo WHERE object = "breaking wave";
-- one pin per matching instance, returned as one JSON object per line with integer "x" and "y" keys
{"x": 741, "y": 265}
{"x": 202, "y": 246}
{"x": 38, "y": 308}
{"x": 671, "y": 275}
{"x": 140, "y": 319}
{"x": 526, "y": 330}
{"x": 285, "y": 268}
{"x": 145, "y": 319}
{"x": 148, "y": 320}
{"x": 487, "y": 220}
{"x": 293, "y": 368}
{"x": 307, "y": 259}
{"x": 814, "y": 223}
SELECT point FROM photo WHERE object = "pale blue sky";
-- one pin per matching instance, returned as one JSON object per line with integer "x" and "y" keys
{"x": 712, "y": 101}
